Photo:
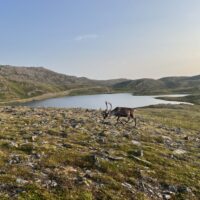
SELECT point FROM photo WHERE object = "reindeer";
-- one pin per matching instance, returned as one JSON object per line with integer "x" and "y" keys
{"x": 119, "y": 112}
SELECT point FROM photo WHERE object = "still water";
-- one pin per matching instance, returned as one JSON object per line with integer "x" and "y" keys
{"x": 98, "y": 101}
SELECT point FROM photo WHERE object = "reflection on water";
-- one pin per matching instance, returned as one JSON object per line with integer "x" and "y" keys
{"x": 98, "y": 101}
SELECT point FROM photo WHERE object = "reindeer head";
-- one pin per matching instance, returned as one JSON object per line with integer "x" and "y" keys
{"x": 107, "y": 112}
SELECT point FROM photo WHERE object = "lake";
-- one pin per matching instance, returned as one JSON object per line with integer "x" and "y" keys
{"x": 98, "y": 101}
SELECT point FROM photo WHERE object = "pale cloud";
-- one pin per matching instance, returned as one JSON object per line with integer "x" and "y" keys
{"x": 86, "y": 37}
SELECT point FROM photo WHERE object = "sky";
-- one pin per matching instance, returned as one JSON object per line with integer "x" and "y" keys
{"x": 102, "y": 39}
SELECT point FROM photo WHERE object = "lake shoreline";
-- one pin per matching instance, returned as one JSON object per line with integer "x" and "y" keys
{"x": 94, "y": 91}
{"x": 53, "y": 95}
{"x": 191, "y": 99}
{"x": 97, "y": 101}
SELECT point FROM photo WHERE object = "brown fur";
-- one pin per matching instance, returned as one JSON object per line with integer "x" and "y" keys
{"x": 120, "y": 112}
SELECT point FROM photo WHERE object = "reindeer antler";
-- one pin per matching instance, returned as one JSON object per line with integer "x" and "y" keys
{"x": 106, "y": 105}
{"x": 110, "y": 105}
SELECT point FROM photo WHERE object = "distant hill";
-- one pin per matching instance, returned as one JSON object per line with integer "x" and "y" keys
{"x": 24, "y": 82}
{"x": 161, "y": 86}
{"x": 27, "y": 82}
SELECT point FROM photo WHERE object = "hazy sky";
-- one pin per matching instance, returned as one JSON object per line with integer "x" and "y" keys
{"x": 102, "y": 39}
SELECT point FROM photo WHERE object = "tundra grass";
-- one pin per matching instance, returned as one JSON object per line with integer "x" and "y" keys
{"x": 48, "y": 153}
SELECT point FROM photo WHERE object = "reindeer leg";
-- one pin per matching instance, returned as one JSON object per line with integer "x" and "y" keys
{"x": 128, "y": 119}
{"x": 128, "y": 116}
{"x": 134, "y": 119}
{"x": 121, "y": 122}
{"x": 117, "y": 121}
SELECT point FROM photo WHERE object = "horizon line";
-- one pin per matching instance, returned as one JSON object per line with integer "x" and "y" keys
{"x": 79, "y": 76}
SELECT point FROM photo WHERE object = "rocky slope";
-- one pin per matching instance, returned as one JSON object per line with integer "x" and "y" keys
{"x": 73, "y": 154}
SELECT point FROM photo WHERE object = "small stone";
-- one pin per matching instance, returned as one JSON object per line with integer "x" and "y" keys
{"x": 186, "y": 138}
{"x": 166, "y": 196}
{"x": 88, "y": 174}
{"x": 127, "y": 185}
{"x": 136, "y": 142}
{"x": 21, "y": 181}
{"x": 36, "y": 156}
{"x": 179, "y": 151}
{"x": 172, "y": 188}
{"x": 66, "y": 145}
{"x": 34, "y": 138}
{"x": 115, "y": 158}
{"x": 127, "y": 134}
{"x": 14, "y": 159}
{"x": 13, "y": 144}
{"x": 138, "y": 153}
{"x": 30, "y": 164}
{"x": 53, "y": 183}
{"x": 166, "y": 138}
{"x": 37, "y": 132}
{"x": 101, "y": 140}
{"x": 183, "y": 189}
